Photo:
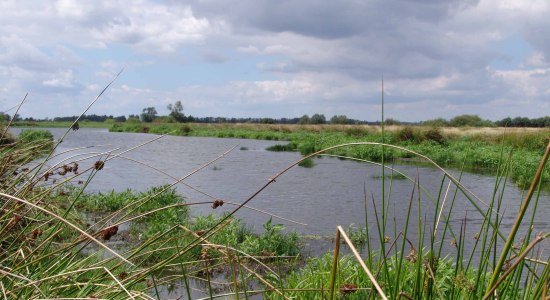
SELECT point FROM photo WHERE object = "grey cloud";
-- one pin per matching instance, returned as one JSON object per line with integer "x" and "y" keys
{"x": 327, "y": 19}
{"x": 215, "y": 58}
{"x": 364, "y": 39}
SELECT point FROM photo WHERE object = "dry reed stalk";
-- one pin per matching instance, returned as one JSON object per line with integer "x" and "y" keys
{"x": 340, "y": 232}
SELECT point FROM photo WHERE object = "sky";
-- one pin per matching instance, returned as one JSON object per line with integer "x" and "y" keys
{"x": 285, "y": 58}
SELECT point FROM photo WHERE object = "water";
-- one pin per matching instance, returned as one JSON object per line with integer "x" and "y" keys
{"x": 329, "y": 194}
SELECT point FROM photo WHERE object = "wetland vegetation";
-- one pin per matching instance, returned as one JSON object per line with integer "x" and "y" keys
{"x": 58, "y": 240}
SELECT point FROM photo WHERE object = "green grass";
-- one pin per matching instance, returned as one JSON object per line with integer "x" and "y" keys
{"x": 312, "y": 280}
{"x": 307, "y": 163}
{"x": 272, "y": 241}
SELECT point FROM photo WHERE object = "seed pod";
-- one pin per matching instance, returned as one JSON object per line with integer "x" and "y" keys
{"x": 348, "y": 288}
{"x": 98, "y": 165}
{"x": 107, "y": 233}
{"x": 217, "y": 204}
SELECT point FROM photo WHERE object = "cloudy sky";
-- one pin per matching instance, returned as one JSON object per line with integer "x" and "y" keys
{"x": 285, "y": 58}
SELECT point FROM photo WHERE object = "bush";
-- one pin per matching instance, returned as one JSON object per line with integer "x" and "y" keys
{"x": 435, "y": 134}
{"x": 470, "y": 120}
{"x": 355, "y": 132}
{"x": 407, "y": 133}
{"x": 185, "y": 129}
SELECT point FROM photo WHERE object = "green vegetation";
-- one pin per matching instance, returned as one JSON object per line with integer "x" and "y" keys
{"x": 273, "y": 241}
{"x": 34, "y": 136}
{"x": 306, "y": 163}
{"x": 392, "y": 176}
{"x": 353, "y": 283}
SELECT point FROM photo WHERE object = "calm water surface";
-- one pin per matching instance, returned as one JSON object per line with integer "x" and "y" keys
{"x": 331, "y": 193}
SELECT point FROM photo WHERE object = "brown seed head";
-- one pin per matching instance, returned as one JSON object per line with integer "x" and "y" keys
{"x": 98, "y": 165}
{"x": 217, "y": 204}
{"x": 107, "y": 233}
{"x": 348, "y": 288}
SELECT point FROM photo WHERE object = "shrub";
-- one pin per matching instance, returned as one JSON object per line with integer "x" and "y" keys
{"x": 435, "y": 134}
{"x": 407, "y": 133}
{"x": 355, "y": 132}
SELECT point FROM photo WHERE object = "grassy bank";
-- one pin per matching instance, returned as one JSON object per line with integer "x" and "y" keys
{"x": 478, "y": 149}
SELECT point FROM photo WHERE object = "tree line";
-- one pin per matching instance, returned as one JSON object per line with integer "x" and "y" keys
{"x": 150, "y": 114}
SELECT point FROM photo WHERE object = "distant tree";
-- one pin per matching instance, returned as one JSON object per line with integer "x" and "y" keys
{"x": 267, "y": 121}
{"x": 470, "y": 120}
{"x": 4, "y": 117}
{"x": 148, "y": 114}
{"x": 16, "y": 117}
{"x": 341, "y": 119}
{"x": 318, "y": 119}
{"x": 120, "y": 119}
{"x": 304, "y": 120}
{"x": 521, "y": 122}
{"x": 176, "y": 111}
{"x": 390, "y": 121}
{"x": 506, "y": 122}
{"x": 439, "y": 122}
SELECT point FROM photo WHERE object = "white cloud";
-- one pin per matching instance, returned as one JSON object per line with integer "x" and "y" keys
{"x": 153, "y": 28}
{"x": 62, "y": 79}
